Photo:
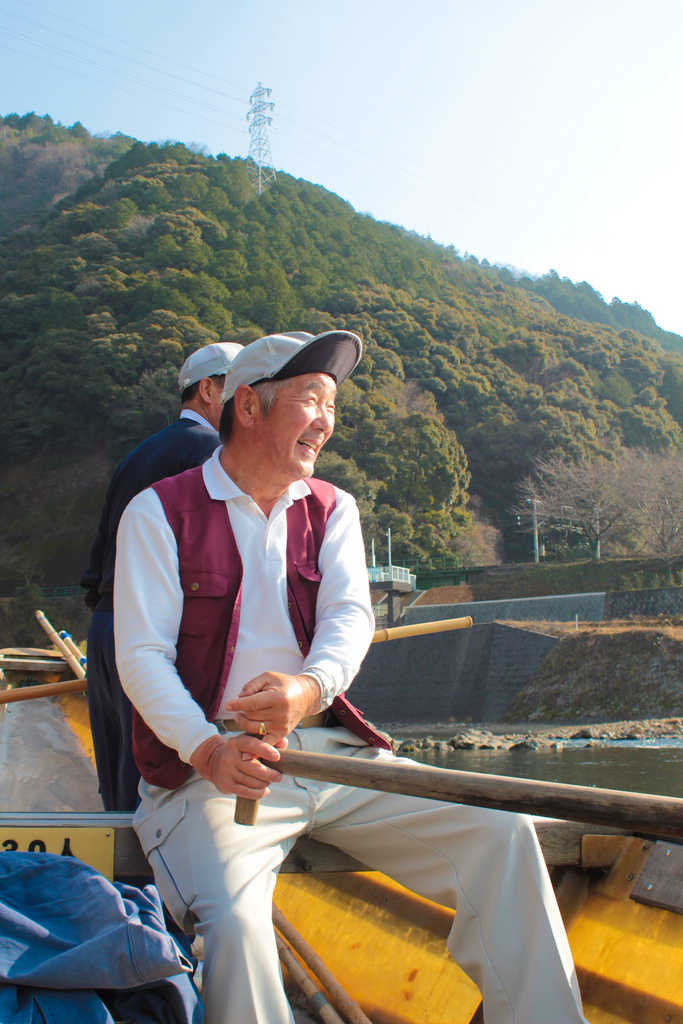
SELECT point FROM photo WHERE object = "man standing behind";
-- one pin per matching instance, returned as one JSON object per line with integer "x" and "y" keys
{"x": 242, "y": 614}
{"x": 186, "y": 443}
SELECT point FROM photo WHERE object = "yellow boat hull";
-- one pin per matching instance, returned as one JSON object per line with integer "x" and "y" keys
{"x": 388, "y": 947}
{"x": 385, "y": 945}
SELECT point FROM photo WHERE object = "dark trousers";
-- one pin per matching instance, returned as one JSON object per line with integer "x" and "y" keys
{"x": 110, "y": 719}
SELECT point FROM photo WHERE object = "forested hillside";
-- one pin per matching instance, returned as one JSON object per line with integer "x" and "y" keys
{"x": 41, "y": 162}
{"x": 468, "y": 372}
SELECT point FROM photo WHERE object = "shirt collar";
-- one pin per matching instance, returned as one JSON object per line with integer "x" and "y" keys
{"x": 221, "y": 487}
{"x": 190, "y": 414}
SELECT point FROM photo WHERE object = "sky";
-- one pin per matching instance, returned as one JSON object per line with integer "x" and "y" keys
{"x": 536, "y": 134}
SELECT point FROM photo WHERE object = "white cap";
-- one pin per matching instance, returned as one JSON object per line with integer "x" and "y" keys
{"x": 279, "y": 356}
{"x": 206, "y": 362}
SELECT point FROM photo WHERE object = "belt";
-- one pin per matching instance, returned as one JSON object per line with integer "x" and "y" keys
{"x": 311, "y": 722}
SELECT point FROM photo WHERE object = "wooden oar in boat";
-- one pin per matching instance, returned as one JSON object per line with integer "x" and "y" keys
{"x": 421, "y": 628}
{"x": 42, "y": 690}
{"x": 75, "y": 650}
{"x": 639, "y": 812}
{"x": 72, "y": 661}
{"x": 340, "y": 998}
{"x": 246, "y": 809}
{"x": 72, "y": 656}
{"x": 317, "y": 1001}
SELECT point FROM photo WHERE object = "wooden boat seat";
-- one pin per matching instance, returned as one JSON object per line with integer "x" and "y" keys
{"x": 562, "y": 841}
{"x": 19, "y": 663}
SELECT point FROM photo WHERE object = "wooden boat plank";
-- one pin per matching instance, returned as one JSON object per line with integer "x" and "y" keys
{"x": 660, "y": 883}
{"x": 30, "y": 652}
{"x": 560, "y": 842}
{"x": 51, "y": 665}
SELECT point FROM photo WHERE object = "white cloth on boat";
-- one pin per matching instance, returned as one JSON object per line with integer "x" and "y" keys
{"x": 507, "y": 934}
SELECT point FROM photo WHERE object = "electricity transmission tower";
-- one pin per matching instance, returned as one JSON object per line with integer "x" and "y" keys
{"x": 259, "y": 170}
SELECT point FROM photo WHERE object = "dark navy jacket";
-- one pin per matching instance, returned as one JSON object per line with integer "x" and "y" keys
{"x": 180, "y": 446}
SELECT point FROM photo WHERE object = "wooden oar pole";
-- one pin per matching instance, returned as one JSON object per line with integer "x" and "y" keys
{"x": 351, "y": 1010}
{"x": 421, "y": 628}
{"x": 638, "y": 812}
{"x": 43, "y": 690}
{"x": 316, "y": 999}
{"x": 72, "y": 661}
{"x": 75, "y": 650}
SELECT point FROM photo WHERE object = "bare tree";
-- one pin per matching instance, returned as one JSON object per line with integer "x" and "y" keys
{"x": 652, "y": 488}
{"x": 582, "y": 496}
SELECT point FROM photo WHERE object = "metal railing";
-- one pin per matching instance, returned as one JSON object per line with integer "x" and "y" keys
{"x": 390, "y": 573}
{"x": 62, "y": 592}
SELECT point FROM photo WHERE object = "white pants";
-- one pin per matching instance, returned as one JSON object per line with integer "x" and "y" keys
{"x": 217, "y": 879}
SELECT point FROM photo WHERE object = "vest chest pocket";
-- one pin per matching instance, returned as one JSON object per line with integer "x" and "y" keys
{"x": 205, "y": 583}
{"x": 309, "y": 571}
{"x": 204, "y": 592}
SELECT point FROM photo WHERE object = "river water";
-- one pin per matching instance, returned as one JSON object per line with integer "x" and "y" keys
{"x": 637, "y": 766}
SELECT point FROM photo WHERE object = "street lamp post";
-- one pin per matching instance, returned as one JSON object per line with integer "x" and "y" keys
{"x": 532, "y": 502}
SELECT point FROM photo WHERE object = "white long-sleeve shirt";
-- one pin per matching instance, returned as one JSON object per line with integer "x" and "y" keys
{"x": 148, "y": 605}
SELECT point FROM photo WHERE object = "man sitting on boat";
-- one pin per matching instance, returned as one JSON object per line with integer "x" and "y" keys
{"x": 242, "y": 614}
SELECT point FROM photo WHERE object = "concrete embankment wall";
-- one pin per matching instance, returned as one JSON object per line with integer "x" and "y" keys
{"x": 464, "y": 675}
{"x": 474, "y": 674}
{"x": 559, "y": 608}
{"x": 648, "y": 603}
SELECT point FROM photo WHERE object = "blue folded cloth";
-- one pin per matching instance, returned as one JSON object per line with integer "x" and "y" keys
{"x": 63, "y": 926}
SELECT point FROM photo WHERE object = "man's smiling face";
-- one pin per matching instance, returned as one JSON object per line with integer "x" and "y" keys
{"x": 298, "y": 425}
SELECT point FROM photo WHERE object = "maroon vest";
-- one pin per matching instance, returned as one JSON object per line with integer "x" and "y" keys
{"x": 210, "y": 570}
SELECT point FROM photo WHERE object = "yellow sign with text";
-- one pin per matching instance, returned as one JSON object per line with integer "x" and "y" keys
{"x": 94, "y": 846}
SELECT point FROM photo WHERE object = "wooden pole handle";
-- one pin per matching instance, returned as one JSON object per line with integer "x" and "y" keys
{"x": 246, "y": 810}
{"x": 72, "y": 661}
{"x": 638, "y": 812}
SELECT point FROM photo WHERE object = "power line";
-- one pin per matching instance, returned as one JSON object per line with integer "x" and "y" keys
{"x": 415, "y": 193}
{"x": 124, "y": 42}
{"x": 120, "y": 88}
{"x": 121, "y": 56}
{"x": 422, "y": 181}
{"x": 120, "y": 74}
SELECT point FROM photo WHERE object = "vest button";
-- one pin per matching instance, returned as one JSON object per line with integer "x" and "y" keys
{"x": 194, "y": 586}
{"x": 300, "y": 644}
{"x": 289, "y": 604}
{"x": 342, "y": 711}
{"x": 232, "y": 650}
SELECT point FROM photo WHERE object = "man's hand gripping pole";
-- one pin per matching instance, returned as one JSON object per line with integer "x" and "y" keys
{"x": 246, "y": 810}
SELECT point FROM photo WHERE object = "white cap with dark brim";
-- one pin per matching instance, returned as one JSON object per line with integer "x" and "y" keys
{"x": 280, "y": 356}
{"x": 207, "y": 362}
